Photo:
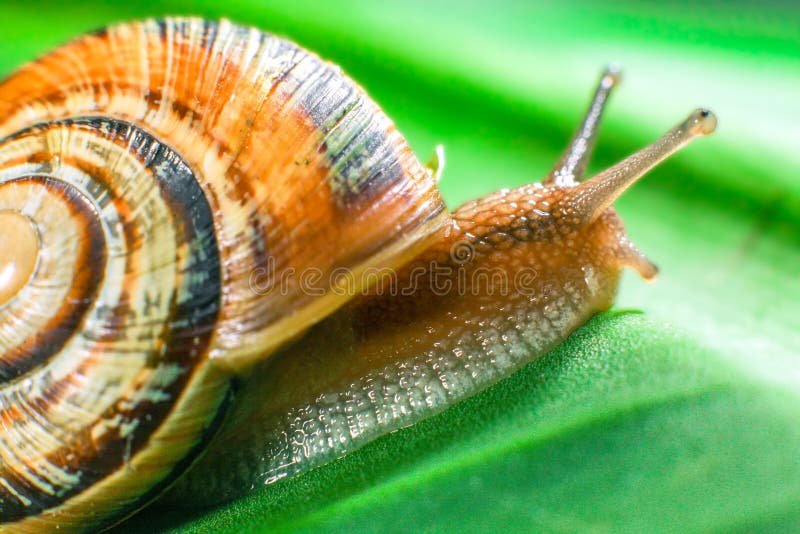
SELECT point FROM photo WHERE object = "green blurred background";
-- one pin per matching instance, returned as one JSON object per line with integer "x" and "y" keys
{"x": 684, "y": 416}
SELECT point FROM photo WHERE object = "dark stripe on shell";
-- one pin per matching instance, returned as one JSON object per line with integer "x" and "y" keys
{"x": 183, "y": 465}
{"x": 353, "y": 140}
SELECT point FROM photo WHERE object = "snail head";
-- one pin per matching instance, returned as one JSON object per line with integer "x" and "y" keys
{"x": 566, "y": 224}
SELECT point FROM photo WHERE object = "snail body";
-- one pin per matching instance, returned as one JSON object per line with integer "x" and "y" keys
{"x": 200, "y": 222}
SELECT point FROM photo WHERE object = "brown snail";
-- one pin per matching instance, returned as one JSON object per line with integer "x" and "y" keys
{"x": 194, "y": 214}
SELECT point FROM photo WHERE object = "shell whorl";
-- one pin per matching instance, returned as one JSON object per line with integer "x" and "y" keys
{"x": 117, "y": 315}
{"x": 157, "y": 166}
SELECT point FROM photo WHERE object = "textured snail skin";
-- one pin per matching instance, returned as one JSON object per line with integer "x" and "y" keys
{"x": 154, "y": 171}
{"x": 385, "y": 361}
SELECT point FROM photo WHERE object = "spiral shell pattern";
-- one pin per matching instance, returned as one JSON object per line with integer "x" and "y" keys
{"x": 117, "y": 312}
{"x": 146, "y": 172}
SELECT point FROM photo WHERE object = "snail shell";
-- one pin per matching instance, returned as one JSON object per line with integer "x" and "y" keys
{"x": 147, "y": 171}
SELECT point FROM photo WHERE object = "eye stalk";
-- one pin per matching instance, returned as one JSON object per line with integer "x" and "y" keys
{"x": 571, "y": 166}
{"x": 593, "y": 196}
{"x": 590, "y": 198}
{"x": 584, "y": 202}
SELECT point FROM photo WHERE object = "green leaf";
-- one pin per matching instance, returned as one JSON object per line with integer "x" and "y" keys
{"x": 682, "y": 417}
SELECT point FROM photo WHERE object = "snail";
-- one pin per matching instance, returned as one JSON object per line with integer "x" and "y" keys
{"x": 221, "y": 265}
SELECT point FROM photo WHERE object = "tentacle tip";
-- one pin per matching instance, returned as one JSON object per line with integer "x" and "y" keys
{"x": 647, "y": 270}
{"x": 631, "y": 256}
{"x": 649, "y": 274}
{"x": 612, "y": 75}
{"x": 702, "y": 121}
